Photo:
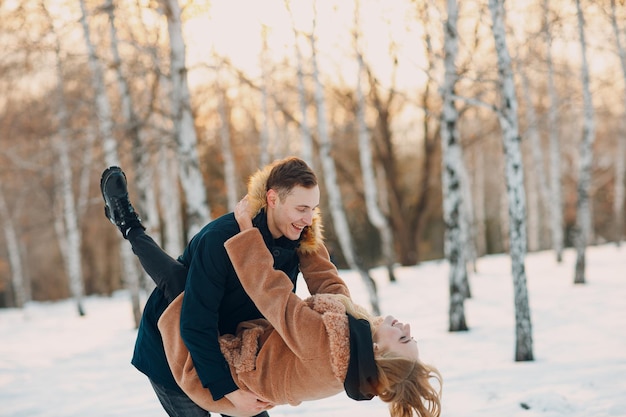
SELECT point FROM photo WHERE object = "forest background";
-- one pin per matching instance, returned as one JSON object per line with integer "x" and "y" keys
{"x": 190, "y": 98}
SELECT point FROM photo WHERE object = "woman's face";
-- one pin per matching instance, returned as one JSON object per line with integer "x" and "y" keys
{"x": 393, "y": 336}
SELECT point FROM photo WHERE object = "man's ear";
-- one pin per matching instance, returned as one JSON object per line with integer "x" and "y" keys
{"x": 271, "y": 197}
{"x": 376, "y": 347}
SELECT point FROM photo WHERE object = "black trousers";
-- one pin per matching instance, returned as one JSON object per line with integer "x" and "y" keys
{"x": 168, "y": 274}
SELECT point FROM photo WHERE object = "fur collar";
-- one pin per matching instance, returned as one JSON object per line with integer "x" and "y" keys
{"x": 312, "y": 236}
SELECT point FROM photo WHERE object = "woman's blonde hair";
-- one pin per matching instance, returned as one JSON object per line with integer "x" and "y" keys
{"x": 402, "y": 383}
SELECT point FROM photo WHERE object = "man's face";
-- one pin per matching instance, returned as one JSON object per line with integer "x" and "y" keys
{"x": 289, "y": 217}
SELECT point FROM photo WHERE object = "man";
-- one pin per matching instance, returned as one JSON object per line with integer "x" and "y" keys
{"x": 283, "y": 198}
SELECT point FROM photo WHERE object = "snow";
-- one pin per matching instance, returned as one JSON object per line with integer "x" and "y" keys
{"x": 55, "y": 363}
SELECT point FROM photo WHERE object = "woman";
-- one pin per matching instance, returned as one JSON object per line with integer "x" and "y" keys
{"x": 305, "y": 349}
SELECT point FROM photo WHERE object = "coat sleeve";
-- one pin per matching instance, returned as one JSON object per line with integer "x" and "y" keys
{"x": 200, "y": 313}
{"x": 182, "y": 365}
{"x": 301, "y": 328}
{"x": 320, "y": 274}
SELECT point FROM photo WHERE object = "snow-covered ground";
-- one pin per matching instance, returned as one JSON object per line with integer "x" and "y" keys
{"x": 56, "y": 364}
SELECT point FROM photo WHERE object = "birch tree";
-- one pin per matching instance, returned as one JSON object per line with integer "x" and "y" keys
{"x": 539, "y": 181}
{"x": 109, "y": 145}
{"x": 168, "y": 197}
{"x": 583, "y": 205}
{"x": 620, "y": 154}
{"x": 197, "y": 207}
{"x": 556, "y": 205}
{"x": 514, "y": 175}
{"x": 68, "y": 231}
{"x": 21, "y": 291}
{"x": 452, "y": 157}
{"x": 478, "y": 192}
{"x": 374, "y": 212}
{"x": 133, "y": 128}
{"x": 337, "y": 211}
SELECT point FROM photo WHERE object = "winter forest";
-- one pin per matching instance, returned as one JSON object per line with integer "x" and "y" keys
{"x": 438, "y": 129}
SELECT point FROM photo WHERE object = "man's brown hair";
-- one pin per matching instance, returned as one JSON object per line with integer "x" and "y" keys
{"x": 288, "y": 173}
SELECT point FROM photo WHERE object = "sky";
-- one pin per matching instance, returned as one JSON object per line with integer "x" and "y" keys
{"x": 56, "y": 364}
{"x": 223, "y": 29}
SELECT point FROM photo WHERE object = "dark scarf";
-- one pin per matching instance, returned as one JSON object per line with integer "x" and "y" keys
{"x": 362, "y": 376}
{"x": 260, "y": 222}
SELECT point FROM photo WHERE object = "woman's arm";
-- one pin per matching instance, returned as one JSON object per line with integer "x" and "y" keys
{"x": 320, "y": 274}
{"x": 301, "y": 328}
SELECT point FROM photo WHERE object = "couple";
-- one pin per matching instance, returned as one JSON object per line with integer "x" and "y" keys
{"x": 224, "y": 331}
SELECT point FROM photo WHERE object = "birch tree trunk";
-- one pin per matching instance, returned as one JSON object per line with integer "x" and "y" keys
{"x": 533, "y": 220}
{"x": 556, "y": 205}
{"x": 620, "y": 166}
{"x": 21, "y": 291}
{"x": 468, "y": 221}
{"x": 337, "y": 211}
{"x": 133, "y": 131}
{"x": 514, "y": 175}
{"x": 374, "y": 213}
{"x": 451, "y": 154}
{"x": 132, "y": 126}
{"x": 109, "y": 145}
{"x": 306, "y": 142}
{"x": 583, "y": 213}
{"x": 70, "y": 221}
{"x": 69, "y": 235}
{"x": 169, "y": 200}
{"x": 197, "y": 207}
{"x": 539, "y": 177}
{"x": 479, "y": 201}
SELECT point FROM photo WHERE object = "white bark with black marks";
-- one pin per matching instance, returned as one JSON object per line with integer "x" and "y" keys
{"x": 130, "y": 270}
{"x": 452, "y": 162}
{"x": 197, "y": 207}
{"x": 583, "y": 206}
{"x": 514, "y": 176}
{"x": 556, "y": 204}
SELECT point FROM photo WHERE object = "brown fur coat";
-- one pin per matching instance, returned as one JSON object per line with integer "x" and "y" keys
{"x": 301, "y": 351}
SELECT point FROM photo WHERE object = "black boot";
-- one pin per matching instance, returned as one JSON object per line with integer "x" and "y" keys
{"x": 117, "y": 207}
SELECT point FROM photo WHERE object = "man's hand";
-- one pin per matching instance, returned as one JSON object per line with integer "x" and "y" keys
{"x": 248, "y": 402}
{"x": 243, "y": 215}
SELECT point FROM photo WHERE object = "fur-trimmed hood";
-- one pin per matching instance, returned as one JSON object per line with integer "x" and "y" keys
{"x": 312, "y": 236}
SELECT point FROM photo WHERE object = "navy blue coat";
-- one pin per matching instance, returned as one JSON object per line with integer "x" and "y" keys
{"x": 214, "y": 303}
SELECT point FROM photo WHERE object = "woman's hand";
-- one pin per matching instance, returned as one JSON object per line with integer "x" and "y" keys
{"x": 243, "y": 215}
{"x": 248, "y": 402}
